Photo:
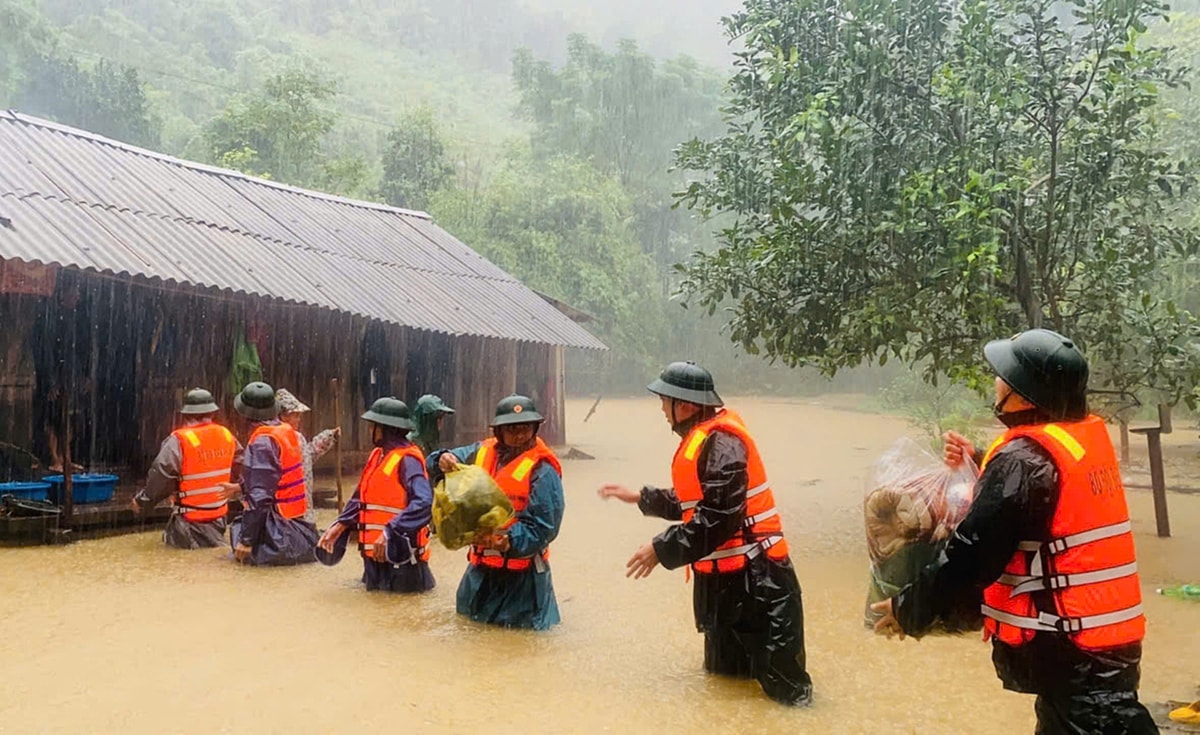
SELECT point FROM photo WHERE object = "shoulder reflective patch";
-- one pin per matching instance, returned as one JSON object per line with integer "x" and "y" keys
{"x": 481, "y": 457}
{"x": 192, "y": 438}
{"x": 694, "y": 445}
{"x": 227, "y": 433}
{"x": 1058, "y": 434}
{"x": 390, "y": 466}
{"x": 523, "y": 469}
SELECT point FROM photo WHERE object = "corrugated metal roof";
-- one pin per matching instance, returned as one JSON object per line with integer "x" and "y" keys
{"x": 76, "y": 199}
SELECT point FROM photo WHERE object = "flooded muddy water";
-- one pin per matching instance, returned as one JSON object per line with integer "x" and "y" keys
{"x": 124, "y": 635}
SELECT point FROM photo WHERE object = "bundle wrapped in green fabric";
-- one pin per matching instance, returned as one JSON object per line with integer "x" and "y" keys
{"x": 466, "y": 504}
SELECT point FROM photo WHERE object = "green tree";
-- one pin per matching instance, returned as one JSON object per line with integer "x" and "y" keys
{"x": 625, "y": 112}
{"x": 278, "y": 133}
{"x": 104, "y": 98}
{"x": 908, "y": 179}
{"x": 415, "y": 164}
{"x": 563, "y": 228}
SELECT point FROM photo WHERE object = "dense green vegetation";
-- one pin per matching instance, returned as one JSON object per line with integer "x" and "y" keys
{"x": 909, "y": 179}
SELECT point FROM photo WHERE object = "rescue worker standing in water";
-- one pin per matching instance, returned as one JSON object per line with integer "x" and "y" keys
{"x": 272, "y": 530}
{"x": 1047, "y": 544}
{"x": 192, "y": 467}
{"x": 747, "y": 598}
{"x": 508, "y": 582}
{"x": 391, "y": 508}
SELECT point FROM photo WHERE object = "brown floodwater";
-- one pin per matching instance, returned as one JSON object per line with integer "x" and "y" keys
{"x": 124, "y": 635}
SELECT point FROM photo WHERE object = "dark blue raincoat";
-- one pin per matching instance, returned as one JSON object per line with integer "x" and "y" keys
{"x": 515, "y": 599}
{"x": 403, "y": 572}
{"x": 275, "y": 540}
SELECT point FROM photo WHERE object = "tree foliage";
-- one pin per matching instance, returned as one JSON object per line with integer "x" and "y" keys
{"x": 103, "y": 98}
{"x": 415, "y": 164}
{"x": 563, "y": 228}
{"x": 279, "y": 133}
{"x": 911, "y": 178}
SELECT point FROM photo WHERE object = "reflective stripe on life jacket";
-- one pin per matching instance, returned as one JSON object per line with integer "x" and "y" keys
{"x": 382, "y": 496}
{"x": 1086, "y": 573}
{"x": 761, "y": 530}
{"x": 206, "y": 452}
{"x": 515, "y": 480}
{"x": 290, "y": 498}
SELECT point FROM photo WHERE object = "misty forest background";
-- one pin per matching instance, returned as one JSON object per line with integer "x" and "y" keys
{"x": 561, "y": 140}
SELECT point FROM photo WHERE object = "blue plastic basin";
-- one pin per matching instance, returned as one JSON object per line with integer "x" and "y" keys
{"x": 26, "y": 490}
{"x": 86, "y": 488}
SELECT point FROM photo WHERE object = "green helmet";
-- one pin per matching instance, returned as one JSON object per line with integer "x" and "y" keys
{"x": 198, "y": 402}
{"x": 516, "y": 410}
{"x": 1045, "y": 368}
{"x": 390, "y": 412}
{"x": 687, "y": 381}
{"x": 429, "y": 405}
{"x": 257, "y": 402}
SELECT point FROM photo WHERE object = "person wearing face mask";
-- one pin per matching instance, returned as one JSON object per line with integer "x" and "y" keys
{"x": 391, "y": 508}
{"x": 1046, "y": 549}
{"x": 507, "y": 581}
{"x": 746, "y": 598}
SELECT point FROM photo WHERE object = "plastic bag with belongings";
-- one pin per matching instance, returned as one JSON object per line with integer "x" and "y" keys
{"x": 912, "y": 506}
{"x": 468, "y": 503}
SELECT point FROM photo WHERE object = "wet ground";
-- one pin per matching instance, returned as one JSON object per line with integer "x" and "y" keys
{"x": 123, "y": 635}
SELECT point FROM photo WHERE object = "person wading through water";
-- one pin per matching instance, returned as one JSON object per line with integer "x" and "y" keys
{"x": 1047, "y": 546}
{"x": 507, "y": 581}
{"x": 192, "y": 468}
{"x": 391, "y": 508}
{"x": 747, "y": 598}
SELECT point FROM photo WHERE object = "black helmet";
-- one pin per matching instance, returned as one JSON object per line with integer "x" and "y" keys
{"x": 198, "y": 402}
{"x": 687, "y": 381}
{"x": 257, "y": 402}
{"x": 1045, "y": 368}
{"x": 390, "y": 412}
{"x": 516, "y": 410}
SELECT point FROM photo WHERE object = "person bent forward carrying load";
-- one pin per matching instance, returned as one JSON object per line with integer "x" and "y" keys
{"x": 272, "y": 530}
{"x": 507, "y": 581}
{"x": 747, "y": 599}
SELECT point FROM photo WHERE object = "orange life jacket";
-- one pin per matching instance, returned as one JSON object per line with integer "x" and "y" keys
{"x": 207, "y": 458}
{"x": 761, "y": 530}
{"x": 1088, "y": 565}
{"x": 514, "y": 479}
{"x": 382, "y": 497}
{"x": 290, "y": 498}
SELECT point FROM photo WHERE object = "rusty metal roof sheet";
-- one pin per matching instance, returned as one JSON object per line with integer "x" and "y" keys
{"x": 76, "y": 199}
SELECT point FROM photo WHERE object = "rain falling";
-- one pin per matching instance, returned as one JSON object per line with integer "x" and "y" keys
{"x": 673, "y": 363}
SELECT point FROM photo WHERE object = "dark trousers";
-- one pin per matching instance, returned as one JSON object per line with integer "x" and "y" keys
{"x": 759, "y": 631}
{"x": 1092, "y": 713}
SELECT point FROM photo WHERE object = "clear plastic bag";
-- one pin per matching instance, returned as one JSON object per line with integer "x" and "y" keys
{"x": 466, "y": 503}
{"x": 912, "y": 505}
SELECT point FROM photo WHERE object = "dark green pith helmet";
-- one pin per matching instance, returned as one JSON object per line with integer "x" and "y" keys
{"x": 516, "y": 410}
{"x": 390, "y": 412}
{"x": 198, "y": 402}
{"x": 1045, "y": 368}
{"x": 687, "y": 381}
{"x": 257, "y": 402}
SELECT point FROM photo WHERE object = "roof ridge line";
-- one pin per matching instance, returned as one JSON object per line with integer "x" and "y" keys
{"x": 21, "y": 117}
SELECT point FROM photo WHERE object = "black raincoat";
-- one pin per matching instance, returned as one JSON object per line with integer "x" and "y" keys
{"x": 752, "y": 619}
{"x": 1078, "y": 692}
